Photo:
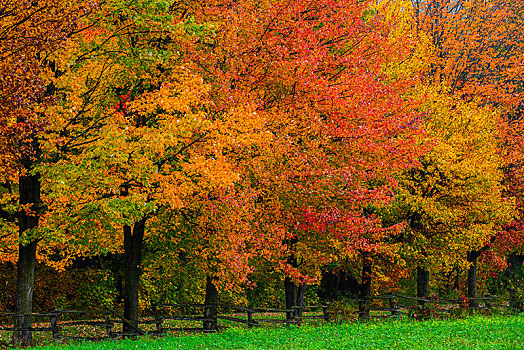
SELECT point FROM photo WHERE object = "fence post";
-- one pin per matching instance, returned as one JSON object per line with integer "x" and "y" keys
{"x": 299, "y": 312}
{"x": 158, "y": 319}
{"x": 393, "y": 306}
{"x": 290, "y": 316}
{"x": 488, "y": 302}
{"x": 54, "y": 324}
{"x": 109, "y": 325}
{"x": 210, "y": 317}
{"x": 249, "y": 319}
{"x": 325, "y": 312}
{"x": 516, "y": 304}
{"x": 363, "y": 309}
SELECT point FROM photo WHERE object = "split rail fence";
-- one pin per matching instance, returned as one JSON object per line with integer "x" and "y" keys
{"x": 161, "y": 319}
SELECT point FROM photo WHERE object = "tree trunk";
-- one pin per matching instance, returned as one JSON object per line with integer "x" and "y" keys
{"x": 301, "y": 296}
{"x": 472, "y": 278}
{"x": 29, "y": 189}
{"x": 133, "y": 241}
{"x": 24, "y": 292}
{"x": 365, "y": 288}
{"x": 210, "y": 310}
{"x": 422, "y": 284}
{"x": 290, "y": 287}
{"x": 291, "y": 297}
{"x": 515, "y": 262}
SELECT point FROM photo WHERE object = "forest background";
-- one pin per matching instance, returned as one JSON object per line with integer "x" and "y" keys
{"x": 258, "y": 151}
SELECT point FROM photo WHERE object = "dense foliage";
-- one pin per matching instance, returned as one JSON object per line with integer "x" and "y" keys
{"x": 256, "y": 151}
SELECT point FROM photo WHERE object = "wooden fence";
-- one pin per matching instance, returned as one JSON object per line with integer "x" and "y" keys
{"x": 161, "y": 318}
{"x": 58, "y": 320}
{"x": 234, "y": 314}
{"x": 396, "y": 305}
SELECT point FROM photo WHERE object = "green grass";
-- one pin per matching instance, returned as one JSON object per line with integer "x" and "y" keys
{"x": 471, "y": 333}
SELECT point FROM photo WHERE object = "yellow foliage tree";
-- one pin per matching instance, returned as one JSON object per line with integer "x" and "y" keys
{"x": 453, "y": 200}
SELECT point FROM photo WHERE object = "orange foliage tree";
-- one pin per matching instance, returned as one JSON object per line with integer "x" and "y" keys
{"x": 135, "y": 136}
{"x": 339, "y": 124}
{"x": 475, "y": 46}
{"x": 29, "y": 32}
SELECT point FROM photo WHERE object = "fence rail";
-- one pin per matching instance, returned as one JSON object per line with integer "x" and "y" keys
{"x": 427, "y": 307}
{"x": 109, "y": 324}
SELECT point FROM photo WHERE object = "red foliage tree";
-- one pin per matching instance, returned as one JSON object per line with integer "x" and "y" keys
{"x": 340, "y": 126}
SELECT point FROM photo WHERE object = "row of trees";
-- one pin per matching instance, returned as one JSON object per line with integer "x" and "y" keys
{"x": 260, "y": 137}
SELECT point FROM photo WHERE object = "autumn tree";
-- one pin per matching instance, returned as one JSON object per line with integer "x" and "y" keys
{"x": 473, "y": 54}
{"x": 29, "y": 32}
{"x": 314, "y": 72}
{"x": 503, "y": 257}
{"x": 475, "y": 47}
{"x": 454, "y": 200}
{"x": 136, "y": 135}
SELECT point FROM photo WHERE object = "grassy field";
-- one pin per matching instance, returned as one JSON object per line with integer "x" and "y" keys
{"x": 472, "y": 333}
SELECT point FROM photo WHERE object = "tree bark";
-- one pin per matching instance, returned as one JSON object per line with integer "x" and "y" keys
{"x": 29, "y": 189}
{"x": 471, "y": 281}
{"x": 210, "y": 310}
{"x": 291, "y": 296}
{"x": 515, "y": 262}
{"x": 290, "y": 288}
{"x": 24, "y": 293}
{"x": 301, "y": 297}
{"x": 133, "y": 241}
{"x": 365, "y": 288}
{"x": 422, "y": 284}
